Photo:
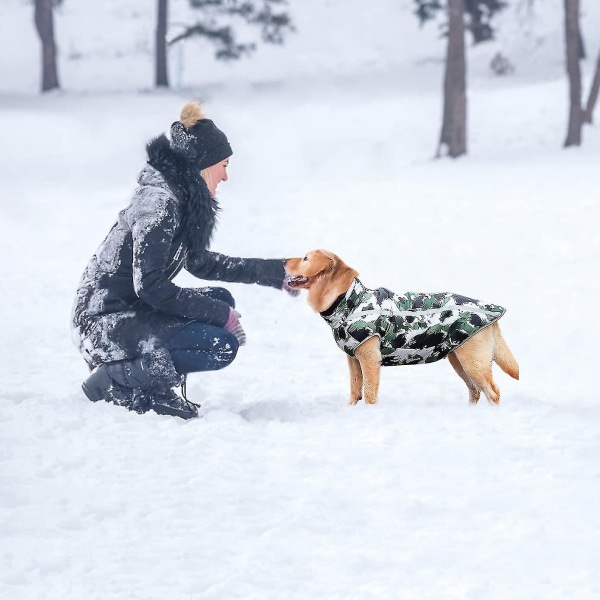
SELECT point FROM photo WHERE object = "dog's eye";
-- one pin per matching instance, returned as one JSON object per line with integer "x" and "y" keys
{"x": 305, "y": 258}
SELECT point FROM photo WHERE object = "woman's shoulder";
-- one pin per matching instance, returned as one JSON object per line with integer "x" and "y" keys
{"x": 153, "y": 198}
{"x": 152, "y": 184}
{"x": 152, "y": 179}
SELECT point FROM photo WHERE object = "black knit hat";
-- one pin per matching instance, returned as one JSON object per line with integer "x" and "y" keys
{"x": 199, "y": 139}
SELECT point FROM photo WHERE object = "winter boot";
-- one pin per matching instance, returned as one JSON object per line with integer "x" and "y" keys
{"x": 142, "y": 384}
{"x": 169, "y": 403}
{"x": 130, "y": 374}
{"x": 131, "y": 399}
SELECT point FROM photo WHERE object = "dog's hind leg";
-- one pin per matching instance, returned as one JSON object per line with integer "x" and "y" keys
{"x": 474, "y": 392}
{"x": 475, "y": 357}
{"x": 369, "y": 356}
{"x": 503, "y": 356}
{"x": 356, "y": 380}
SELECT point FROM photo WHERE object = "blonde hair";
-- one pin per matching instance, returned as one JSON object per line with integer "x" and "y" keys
{"x": 205, "y": 174}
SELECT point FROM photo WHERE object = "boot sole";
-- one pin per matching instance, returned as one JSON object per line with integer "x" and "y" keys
{"x": 173, "y": 412}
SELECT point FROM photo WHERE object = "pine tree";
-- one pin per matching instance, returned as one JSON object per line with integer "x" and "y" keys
{"x": 218, "y": 18}
{"x": 478, "y": 15}
{"x": 572, "y": 37}
{"x": 453, "y": 137}
{"x": 44, "y": 24}
{"x": 593, "y": 96}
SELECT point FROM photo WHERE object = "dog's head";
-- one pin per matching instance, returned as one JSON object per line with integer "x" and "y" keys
{"x": 303, "y": 271}
{"x": 322, "y": 273}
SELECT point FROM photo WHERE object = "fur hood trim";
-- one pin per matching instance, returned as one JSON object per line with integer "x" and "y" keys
{"x": 200, "y": 209}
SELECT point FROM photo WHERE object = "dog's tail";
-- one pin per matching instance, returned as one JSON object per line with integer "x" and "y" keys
{"x": 503, "y": 356}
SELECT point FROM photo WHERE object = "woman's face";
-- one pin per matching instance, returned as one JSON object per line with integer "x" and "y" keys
{"x": 215, "y": 174}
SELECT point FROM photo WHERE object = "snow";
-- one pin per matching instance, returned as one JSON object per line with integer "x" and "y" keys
{"x": 280, "y": 490}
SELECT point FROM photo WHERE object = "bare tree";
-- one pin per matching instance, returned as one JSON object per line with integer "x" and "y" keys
{"x": 593, "y": 97}
{"x": 219, "y": 21}
{"x": 453, "y": 138}
{"x": 161, "y": 75}
{"x": 572, "y": 40}
{"x": 44, "y": 23}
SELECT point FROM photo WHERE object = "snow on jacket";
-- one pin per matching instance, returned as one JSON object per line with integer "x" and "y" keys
{"x": 126, "y": 302}
{"x": 413, "y": 327}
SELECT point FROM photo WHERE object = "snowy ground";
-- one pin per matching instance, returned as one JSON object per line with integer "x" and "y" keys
{"x": 279, "y": 490}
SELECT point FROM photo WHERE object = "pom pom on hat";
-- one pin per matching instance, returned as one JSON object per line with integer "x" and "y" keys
{"x": 191, "y": 113}
{"x": 197, "y": 138}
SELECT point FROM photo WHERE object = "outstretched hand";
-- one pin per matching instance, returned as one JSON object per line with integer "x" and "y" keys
{"x": 291, "y": 291}
{"x": 234, "y": 326}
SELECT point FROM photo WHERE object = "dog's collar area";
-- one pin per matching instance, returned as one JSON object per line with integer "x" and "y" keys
{"x": 357, "y": 288}
{"x": 328, "y": 312}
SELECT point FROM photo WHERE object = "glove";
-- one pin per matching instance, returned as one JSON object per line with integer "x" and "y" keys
{"x": 234, "y": 326}
{"x": 291, "y": 291}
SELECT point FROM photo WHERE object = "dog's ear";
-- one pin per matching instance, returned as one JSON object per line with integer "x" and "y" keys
{"x": 334, "y": 260}
{"x": 314, "y": 263}
{"x": 326, "y": 260}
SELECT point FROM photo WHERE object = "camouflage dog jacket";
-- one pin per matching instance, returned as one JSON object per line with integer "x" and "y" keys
{"x": 413, "y": 327}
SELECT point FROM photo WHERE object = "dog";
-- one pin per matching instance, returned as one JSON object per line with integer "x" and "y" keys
{"x": 376, "y": 327}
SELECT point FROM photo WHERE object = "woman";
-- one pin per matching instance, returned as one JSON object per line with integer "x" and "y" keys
{"x": 140, "y": 333}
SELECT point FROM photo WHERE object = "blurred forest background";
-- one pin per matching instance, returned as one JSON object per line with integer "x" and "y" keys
{"x": 174, "y": 33}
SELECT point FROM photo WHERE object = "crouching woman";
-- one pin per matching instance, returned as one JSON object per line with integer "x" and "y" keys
{"x": 139, "y": 333}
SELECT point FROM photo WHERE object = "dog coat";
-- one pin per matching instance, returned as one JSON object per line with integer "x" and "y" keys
{"x": 413, "y": 327}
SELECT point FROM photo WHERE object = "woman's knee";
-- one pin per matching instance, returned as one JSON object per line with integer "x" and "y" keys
{"x": 221, "y": 353}
{"x": 226, "y": 351}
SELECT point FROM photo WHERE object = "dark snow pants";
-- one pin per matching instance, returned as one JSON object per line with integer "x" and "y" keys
{"x": 202, "y": 347}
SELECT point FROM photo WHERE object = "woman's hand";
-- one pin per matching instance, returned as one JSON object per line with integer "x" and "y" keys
{"x": 291, "y": 291}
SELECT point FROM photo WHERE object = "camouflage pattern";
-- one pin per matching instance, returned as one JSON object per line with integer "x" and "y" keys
{"x": 413, "y": 327}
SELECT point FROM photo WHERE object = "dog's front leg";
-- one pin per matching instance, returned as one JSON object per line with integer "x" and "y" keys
{"x": 356, "y": 380}
{"x": 369, "y": 356}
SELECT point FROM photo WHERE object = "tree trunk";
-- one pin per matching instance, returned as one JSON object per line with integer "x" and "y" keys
{"x": 44, "y": 23}
{"x": 162, "y": 77}
{"x": 453, "y": 137}
{"x": 572, "y": 37}
{"x": 582, "y": 53}
{"x": 593, "y": 97}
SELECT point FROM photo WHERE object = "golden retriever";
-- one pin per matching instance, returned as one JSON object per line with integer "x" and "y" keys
{"x": 408, "y": 329}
